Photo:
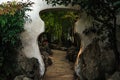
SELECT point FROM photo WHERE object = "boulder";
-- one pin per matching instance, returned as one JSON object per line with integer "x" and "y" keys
{"x": 108, "y": 61}
{"x": 29, "y": 67}
{"x": 22, "y": 77}
{"x": 95, "y": 62}
{"x": 46, "y": 52}
{"x": 115, "y": 76}
{"x": 47, "y": 60}
{"x": 45, "y": 47}
{"x": 71, "y": 54}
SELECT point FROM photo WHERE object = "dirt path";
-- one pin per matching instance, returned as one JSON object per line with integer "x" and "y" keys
{"x": 61, "y": 69}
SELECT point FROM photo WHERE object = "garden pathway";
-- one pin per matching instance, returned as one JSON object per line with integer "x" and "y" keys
{"x": 61, "y": 69}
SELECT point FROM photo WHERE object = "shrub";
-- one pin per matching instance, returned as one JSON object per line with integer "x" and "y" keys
{"x": 12, "y": 20}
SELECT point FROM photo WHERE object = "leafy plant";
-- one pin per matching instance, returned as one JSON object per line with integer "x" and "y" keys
{"x": 12, "y": 20}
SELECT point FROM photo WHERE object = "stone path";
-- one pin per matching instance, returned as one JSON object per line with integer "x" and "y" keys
{"x": 61, "y": 69}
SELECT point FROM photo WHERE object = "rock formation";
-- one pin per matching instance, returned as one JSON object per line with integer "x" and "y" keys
{"x": 28, "y": 67}
{"x": 95, "y": 63}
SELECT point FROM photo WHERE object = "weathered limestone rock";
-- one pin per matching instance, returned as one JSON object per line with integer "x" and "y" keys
{"x": 80, "y": 25}
{"x": 22, "y": 77}
{"x": 47, "y": 60}
{"x": 29, "y": 67}
{"x": 115, "y": 76}
{"x": 94, "y": 64}
{"x": 90, "y": 65}
{"x": 45, "y": 52}
{"x": 71, "y": 54}
{"x": 108, "y": 61}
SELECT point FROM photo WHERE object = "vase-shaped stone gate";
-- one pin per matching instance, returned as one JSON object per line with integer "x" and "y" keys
{"x": 36, "y": 27}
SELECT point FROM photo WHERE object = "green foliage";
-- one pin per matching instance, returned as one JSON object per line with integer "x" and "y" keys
{"x": 12, "y": 20}
{"x": 60, "y": 2}
{"x": 59, "y": 24}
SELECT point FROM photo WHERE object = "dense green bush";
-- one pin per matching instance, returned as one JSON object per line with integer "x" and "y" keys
{"x": 12, "y": 20}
